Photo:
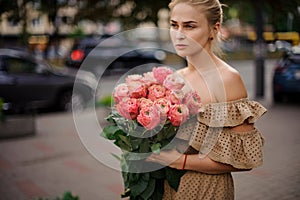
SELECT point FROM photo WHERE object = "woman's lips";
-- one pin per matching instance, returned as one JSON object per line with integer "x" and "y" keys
{"x": 181, "y": 46}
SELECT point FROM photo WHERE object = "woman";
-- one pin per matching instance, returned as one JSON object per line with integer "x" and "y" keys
{"x": 223, "y": 138}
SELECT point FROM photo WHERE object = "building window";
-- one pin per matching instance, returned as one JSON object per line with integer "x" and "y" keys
{"x": 36, "y": 22}
{"x": 67, "y": 20}
{"x": 12, "y": 22}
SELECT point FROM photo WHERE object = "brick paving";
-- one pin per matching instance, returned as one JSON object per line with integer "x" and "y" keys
{"x": 55, "y": 160}
{"x": 279, "y": 177}
{"x": 51, "y": 162}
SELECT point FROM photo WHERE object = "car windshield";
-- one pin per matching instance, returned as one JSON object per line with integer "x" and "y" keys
{"x": 295, "y": 58}
{"x": 17, "y": 65}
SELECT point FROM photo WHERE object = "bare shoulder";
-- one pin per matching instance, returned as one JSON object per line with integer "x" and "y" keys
{"x": 233, "y": 83}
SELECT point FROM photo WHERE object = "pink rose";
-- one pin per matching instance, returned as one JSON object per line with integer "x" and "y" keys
{"x": 160, "y": 73}
{"x": 156, "y": 92}
{"x": 174, "y": 82}
{"x": 149, "y": 117}
{"x": 137, "y": 89}
{"x": 193, "y": 102}
{"x": 163, "y": 105}
{"x": 149, "y": 79}
{"x": 134, "y": 78}
{"x": 128, "y": 108}
{"x": 120, "y": 92}
{"x": 143, "y": 102}
{"x": 175, "y": 97}
{"x": 178, "y": 114}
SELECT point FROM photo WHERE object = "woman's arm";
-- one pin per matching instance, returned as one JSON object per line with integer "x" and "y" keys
{"x": 205, "y": 165}
{"x": 195, "y": 162}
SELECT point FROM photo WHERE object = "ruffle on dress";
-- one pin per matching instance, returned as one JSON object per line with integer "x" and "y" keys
{"x": 211, "y": 133}
{"x": 229, "y": 114}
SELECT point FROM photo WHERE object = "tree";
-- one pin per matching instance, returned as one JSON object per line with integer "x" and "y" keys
{"x": 95, "y": 10}
{"x": 129, "y": 12}
{"x": 275, "y": 12}
{"x": 51, "y": 9}
{"x": 142, "y": 11}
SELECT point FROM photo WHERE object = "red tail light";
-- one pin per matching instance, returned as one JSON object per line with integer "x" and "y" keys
{"x": 77, "y": 55}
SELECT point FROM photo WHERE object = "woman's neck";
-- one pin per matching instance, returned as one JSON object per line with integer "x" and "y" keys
{"x": 202, "y": 62}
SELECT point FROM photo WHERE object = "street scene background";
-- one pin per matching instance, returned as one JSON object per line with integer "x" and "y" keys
{"x": 54, "y": 159}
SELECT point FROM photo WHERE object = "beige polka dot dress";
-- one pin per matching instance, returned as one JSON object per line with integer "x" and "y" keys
{"x": 210, "y": 133}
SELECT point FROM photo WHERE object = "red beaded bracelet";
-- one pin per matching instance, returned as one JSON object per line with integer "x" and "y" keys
{"x": 184, "y": 162}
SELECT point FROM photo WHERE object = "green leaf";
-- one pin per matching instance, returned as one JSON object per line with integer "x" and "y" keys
{"x": 122, "y": 145}
{"x": 159, "y": 189}
{"x": 116, "y": 156}
{"x": 124, "y": 165}
{"x": 144, "y": 146}
{"x": 125, "y": 139}
{"x": 155, "y": 148}
{"x": 160, "y": 136}
{"x": 68, "y": 196}
{"x": 158, "y": 174}
{"x": 134, "y": 178}
{"x": 149, "y": 190}
{"x": 170, "y": 132}
{"x": 111, "y": 116}
{"x": 126, "y": 193}
{"x": 136, "y": 156}
{"x": 109, "y": 131}
{"x": 135, "y": 143}
{"x": 125, "y": 177}
{"x": 173, "y": 177}
{"x": 139, "y": 187}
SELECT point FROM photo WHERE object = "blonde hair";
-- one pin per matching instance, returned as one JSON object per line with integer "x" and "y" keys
{"x": 214, "y": 13}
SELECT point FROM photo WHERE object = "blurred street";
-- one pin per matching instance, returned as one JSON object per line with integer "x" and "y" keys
{"x": 55, "y": 160}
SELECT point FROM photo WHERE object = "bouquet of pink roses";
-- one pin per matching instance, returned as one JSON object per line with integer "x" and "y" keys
{"x": 148, "y": 111}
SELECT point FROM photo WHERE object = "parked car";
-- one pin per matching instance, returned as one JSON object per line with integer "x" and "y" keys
{"x": 27, "y": 83}
{"x": 286, "y": 79}
{"x": 110, "y": 55}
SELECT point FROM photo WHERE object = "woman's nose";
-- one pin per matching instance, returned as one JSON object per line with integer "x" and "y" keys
{"x": 179, "y": 34}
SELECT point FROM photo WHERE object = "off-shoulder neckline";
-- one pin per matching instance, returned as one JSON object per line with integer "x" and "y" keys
{"x": 228, "y": 102}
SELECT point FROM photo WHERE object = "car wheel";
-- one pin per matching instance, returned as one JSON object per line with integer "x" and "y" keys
{"x": 277, "y": 98}
{"x": 71, "y": 101}
{"x": 281, "y": 98}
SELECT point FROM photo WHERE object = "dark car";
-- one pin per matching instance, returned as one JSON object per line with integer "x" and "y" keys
{"x": 110, "y": 55}
{"x": 27, "y": 84}
{"x": 286, "y": 79}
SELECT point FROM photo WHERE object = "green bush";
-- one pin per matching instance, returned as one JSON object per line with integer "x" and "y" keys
{"x": 2, "y": 117}
{"x": 66, "y": 196}
{"x": 106, "y": 101}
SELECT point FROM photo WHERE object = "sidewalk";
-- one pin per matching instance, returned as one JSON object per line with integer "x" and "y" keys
{"x": 52, "y": 162}
{"x": 279, "y": 177}
{"x": 55, "y": 160}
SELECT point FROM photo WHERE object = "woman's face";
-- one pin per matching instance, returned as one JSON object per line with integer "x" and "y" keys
{"x": 190, "y": 32}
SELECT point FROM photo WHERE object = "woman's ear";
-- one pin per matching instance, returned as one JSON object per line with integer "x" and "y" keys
{"x": 217, "y": 27}
{"x": 214, "y": 30}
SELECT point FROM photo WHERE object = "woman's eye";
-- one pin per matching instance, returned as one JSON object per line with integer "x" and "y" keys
{"x": 173, "y": 25}
{"x": 189, "y": 26}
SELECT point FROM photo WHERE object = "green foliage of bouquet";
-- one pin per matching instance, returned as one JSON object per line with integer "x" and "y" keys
{"x": 144, "y": 185}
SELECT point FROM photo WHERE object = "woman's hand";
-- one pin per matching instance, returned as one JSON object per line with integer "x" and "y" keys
{"x": 174, "y": 159}
{"x": 171, "y": 158}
